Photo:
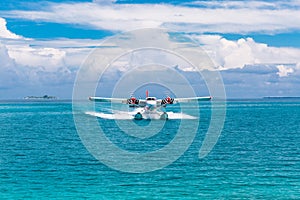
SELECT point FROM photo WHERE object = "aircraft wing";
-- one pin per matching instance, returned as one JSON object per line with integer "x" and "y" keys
{"x": 131, "y": 101}
{"x": 111, "y": 100}
{"x": 191, "y": 99}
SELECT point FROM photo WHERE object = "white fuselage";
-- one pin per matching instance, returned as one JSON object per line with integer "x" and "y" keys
{"x": 148, "y": 113}
{"x": 151, "y": 105}
{"x": 150, "y": 110}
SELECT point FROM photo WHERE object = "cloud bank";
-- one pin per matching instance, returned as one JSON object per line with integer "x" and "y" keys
{"x": 248, "y": 67}
{"x": 202, "y": 16}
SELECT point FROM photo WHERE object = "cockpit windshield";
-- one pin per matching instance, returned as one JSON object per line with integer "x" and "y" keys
{"x": 151, "y": 99}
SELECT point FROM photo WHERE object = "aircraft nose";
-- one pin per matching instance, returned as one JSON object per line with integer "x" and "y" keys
{"x": 151, "y": 103}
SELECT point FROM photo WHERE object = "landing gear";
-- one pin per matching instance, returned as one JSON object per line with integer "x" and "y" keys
{"x": 138, "y": 116}
{"x": 164, "y": 116}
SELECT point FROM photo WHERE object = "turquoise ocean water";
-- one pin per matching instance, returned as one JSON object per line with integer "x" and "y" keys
{"x": 257, "y": 156}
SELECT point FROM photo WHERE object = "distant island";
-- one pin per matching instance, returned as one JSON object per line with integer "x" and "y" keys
{"x": 42, "y": 97}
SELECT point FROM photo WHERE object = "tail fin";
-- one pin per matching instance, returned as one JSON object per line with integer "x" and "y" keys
{"x": 147, "y": 93}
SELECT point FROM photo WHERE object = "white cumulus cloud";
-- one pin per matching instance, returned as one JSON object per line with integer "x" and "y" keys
{"x": 5, "y": 33}
{"x": 48, "y": 58}
{"x": 26, "y": 62}
{"x": 245, "y": 51}
{"x": 284, "y": 71}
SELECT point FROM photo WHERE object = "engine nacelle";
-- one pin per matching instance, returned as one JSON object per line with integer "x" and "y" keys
{"x": 133, "y": 101}
{"x": 167, "y": 100}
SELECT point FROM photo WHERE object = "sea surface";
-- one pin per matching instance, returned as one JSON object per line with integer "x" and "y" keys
{"x": 257, "y": 155}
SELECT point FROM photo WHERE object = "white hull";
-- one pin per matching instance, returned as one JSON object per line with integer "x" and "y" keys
{"x": 130, "y": 116}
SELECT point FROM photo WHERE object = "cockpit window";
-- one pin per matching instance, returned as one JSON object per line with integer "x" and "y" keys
{"x": 150, "y": 99}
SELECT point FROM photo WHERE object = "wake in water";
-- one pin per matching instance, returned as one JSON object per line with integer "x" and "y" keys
{"x": 130, "y": 115}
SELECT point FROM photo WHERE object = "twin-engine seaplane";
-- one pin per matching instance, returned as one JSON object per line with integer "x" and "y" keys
{"x": 149, "y": 108}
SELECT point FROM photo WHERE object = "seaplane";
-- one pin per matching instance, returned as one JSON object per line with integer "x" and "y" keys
{"x": 150, "y": 107}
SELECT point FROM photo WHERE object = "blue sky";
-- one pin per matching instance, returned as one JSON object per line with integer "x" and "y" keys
{"x": 254, "y": 44}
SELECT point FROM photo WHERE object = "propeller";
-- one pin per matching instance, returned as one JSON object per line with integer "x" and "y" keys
{"x": 167, "y": 100}
{"x": 132, "y": 100}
